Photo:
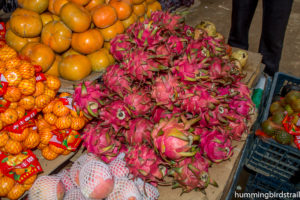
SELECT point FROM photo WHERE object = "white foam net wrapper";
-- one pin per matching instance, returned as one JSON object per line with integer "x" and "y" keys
{"x": 66, "y": 179}
{"x": 77, "y": 165}
{"x": 118, "y": 167}
{"x": 91, "y": 175}
{"x": 148, "y": 191}
{"x": 74, "y": 194}
{"x": 47, "y": 188}
{"x": 124, "y": 189}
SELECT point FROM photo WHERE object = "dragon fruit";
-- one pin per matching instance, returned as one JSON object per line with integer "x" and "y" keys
{"x": 168, "y": 21}
{"x": 144, "y": 163}
{"x": 236, "y": 127}
{"x": 139, "y": 102}
{"x": 176, "y": 44}
{"x": 117, "y": 80}
{"x": 216, "y": 146}
{"x": 115, "y": 114}
{"x": 139, "y": 131}
{"x": 172, "y": 139}
{"x": 161, "y": 113}
{"x": 88, "y": 96}
{"x": 191, "y": 173}
{"x": 101, "y": 141}
{"x": 166, "y": 90}
{"x": 120, "y": 46}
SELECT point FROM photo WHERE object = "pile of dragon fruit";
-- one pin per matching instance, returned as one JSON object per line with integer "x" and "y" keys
{"x": 173, "y": 104}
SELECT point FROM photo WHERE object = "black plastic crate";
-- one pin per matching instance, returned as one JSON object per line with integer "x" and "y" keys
{"x": 259, "y": 184}
{"x": 267, "y": 156}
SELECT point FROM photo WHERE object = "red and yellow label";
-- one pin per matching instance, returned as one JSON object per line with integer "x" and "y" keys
{"x": 66, "y": 139}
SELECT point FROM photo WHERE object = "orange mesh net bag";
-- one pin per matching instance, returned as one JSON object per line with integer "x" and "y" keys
{"x": 125, "y": 189}
{"x": 96, "y": 180}
{"x": 47, "y": 188}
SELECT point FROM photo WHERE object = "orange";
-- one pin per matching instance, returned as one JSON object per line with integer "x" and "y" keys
{"x": 122, "y": 8}
{"x": 38, "y": 6}
{"x": 87, "y": 42}
{"x": 104, "y": 16}
{"x": 111, "y": 32}
{"x": 130, "y": 20}
{"x": 17, "y": 42}
{"x": 53, "y": 70}
{"x": 99, "y": 60}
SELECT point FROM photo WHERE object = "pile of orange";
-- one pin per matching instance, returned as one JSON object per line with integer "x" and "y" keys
{"x": 68, "y": 38}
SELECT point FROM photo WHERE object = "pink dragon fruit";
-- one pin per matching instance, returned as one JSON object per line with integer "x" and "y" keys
{"x": 115, "y": 114}
{"x": 120, "y": 46}
{"x": 117, "y": 80}
{"x": 216, "y": 146}
{"x": 101, "y": 141}
{"x": 244, "y": 108}
{"x": 139, "y": 131}
{"x": 168, "y": 21}
{"x": 236, "y": 127}
{"x": 191, "y": 174}
{"x": 139, "y": 102}
{"x": 172, "y": 139}
{"x": 166, "y": 90}
{"x": 144, "y": 163}
{"x": 90, "y": 96}
{"x": 161, "y": 113}
{"x": 217, "y": 116}
{"x": 176, "y": 44}
{"x": 165, "y": 56}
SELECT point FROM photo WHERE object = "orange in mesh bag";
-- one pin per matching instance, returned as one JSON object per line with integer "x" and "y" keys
{"x": 125, "y": 189}
{"x": 76, "y": 167}
{"x": 47, "y": 188}
{"x": 96, "y": 180}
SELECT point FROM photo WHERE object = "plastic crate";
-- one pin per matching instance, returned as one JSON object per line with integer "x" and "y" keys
{"x": 258, "y": 183}
{"x": 267, "y": 156}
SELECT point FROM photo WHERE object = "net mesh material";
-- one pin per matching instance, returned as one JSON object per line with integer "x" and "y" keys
{"x": 118, "y": 167}
{"x": 124, "y": 189}
{"x": 46, "y": 188}
{"x": 74, "y": 194}
{"x": 77, "y": 165}
{"x": 66, "y": 179}
{"x": 148, "y": 191}
{"x": 92, "y": 174}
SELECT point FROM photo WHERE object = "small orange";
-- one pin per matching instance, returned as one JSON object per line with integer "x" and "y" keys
{"x": 13, "y": 147}
{"x": 127, "y": 22}
{"x": 19, "y": 136}
{"x": 49, "y": 107}
{"x": 122, "y": 8}
{"x": 27, "y": 70}
{"x": 59, "y": 109}
{"x": 77, "y": 123}
{"x": 27, "y": 87}
{"x": 50, "y": 93}
{"x": 10, "y": 116}
{"x": 7, "y": 53}
{"x": 13, "y": 77}
{"x": 6, "y": 184}
{"x": 75, "y": 114}
{"x": 155, "y": 6}
{"x": 13, "y": 105}
{"x": 41, "y": 124}
{"x": 42, "y": 101}
{"x": 27, "y": 102}
{"x": 32, "y": 140}
{"x": 49, "y": 154}
{"x": 13, "y": 94}
{"x": 52, "y": 82}
{"x": 63, "y": 122}
{"x": 64, "y": 94}
{"x": 39, "y": 89}
{"x": 50, "y": 118}
{"x": 140, "y": 9}
{"x": 1, "y": 125}
{"x": 3, "y": 138}
{"x": 46, "y": 135}
{"x": 21, "y": 112}
{"x": 13, "y": 63}
{"x": 30, "y": 180}
{"x": 66, "y": 152}
{"x": 41, "y": 146}
{"x": 137, "y": 1}
{"x": 16, "y": 192}
{"x": 56, "y": 149}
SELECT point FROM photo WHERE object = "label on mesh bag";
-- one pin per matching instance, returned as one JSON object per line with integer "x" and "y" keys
{"x": 4, "y": 104}
{"x": 2, "y": 31}
{"x": 291, "y": 124}
{"x": 297, "y": 141}
{"x": 68, "y": 102}
{"x": 25, "y": 122}
{"x": 40, "y": 77}
{"x": 3, "y": 85}
{"x": 66, "y": 139}
{"x": 20, "y": 167}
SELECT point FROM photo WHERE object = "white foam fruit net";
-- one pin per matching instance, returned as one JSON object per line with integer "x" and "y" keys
{"x": 118, "y": 167}
{"x": 91, "y": 175}
{"x": 148, "y": 191}
{"x": 47, "y": 188}
{"x": 77, "y": 165}
{"x": 124, "y": 189}
{"x": 74, "y": 194}
{"x": 66, "y": 179}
